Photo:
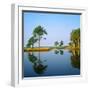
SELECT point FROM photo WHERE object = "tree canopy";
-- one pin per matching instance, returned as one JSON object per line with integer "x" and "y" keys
{"x": 31, "y": 41}
{"x": 38, "y": 32}
{"x": 75, "y": 36}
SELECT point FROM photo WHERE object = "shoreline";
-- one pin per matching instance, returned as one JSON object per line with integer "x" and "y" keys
{"x": 49, "y": 48}
{"x": 36, "y": 49}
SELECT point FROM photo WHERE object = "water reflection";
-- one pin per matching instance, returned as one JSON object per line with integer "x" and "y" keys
{"x": 58, "y": 51}
{"x": 40, "y": 67}
{"x": 75, "y": 58}
{"x": 37, "y": 64}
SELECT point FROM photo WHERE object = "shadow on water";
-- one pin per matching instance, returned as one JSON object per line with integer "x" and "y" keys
{"x": 37, "y": 64}
{"x": 75, "y": 58}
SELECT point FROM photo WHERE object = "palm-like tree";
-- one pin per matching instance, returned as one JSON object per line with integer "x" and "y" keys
{"x": 31, "y": 42}
{"x": 38, "y": 33}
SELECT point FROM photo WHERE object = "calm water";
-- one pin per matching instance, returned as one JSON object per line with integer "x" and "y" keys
{"x": 51, "y": 63}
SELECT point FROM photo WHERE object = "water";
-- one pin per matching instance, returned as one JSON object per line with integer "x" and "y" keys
{"x": 51, "y": 63}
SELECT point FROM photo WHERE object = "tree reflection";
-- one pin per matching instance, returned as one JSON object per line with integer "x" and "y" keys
{"x": 58, "y": 51}
{"x": 32, "y": 58}
{"x": 38, "y": 65}
{"x": 61, "y": 52}
{"x": 75, "y": 58}
{"x": 39, "y": 68}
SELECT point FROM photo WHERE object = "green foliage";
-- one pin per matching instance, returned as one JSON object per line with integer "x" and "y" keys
{"x": 75, "y": 37}
{"x": 38, "y": 32}
{"x": 56, "y": 43}
{"x": 61, "y": 43}
{"x": 31, "y": 41}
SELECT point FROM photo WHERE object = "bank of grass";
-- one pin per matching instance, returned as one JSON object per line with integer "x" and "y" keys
{"x": 42, "y": 48}
{"x": 36, "y": 49}
{"x": 50, "y": 48}
{"x": 72, "y": 48}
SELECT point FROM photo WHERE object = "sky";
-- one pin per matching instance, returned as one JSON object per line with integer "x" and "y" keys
{"x": 58, "y": 26}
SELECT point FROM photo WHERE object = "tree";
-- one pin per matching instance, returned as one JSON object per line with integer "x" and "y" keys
{"x": 56, "y": 43}
{"x": 38, "y": 33}
{"x": 61, "y": 43}
{"x": 75, "y": 37}
{"x": 31, "y": 42}
{"x": 70, "y": 44}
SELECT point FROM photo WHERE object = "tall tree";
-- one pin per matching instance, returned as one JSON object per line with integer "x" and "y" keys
{"x": 38, "y": 33}
{"x": 31, "y": 42}
{"x": 75, "y": 37}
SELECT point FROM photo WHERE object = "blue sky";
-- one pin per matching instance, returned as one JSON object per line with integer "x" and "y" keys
{"x": 58, "y": 26}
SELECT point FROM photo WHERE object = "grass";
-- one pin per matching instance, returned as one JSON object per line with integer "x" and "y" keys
{"x": 36, "y": 49}
{"x": 50, "y": 48}
{"x": 72, "y": 48}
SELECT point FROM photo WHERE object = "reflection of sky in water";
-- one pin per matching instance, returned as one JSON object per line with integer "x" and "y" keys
{"x": 56, "y": 64}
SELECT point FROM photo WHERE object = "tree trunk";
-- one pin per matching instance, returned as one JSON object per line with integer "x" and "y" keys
{"x": 39, "y": 47}
{"x": 39, "y": 42}
{"x": 32, "y": 45}
{"x": 78, "y": 43}
{"x": 75, "y": 44}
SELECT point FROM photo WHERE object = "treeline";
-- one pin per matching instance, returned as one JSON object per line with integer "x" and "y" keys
{"x": 39, "y": 32}
{"x": 75, "y": 38}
